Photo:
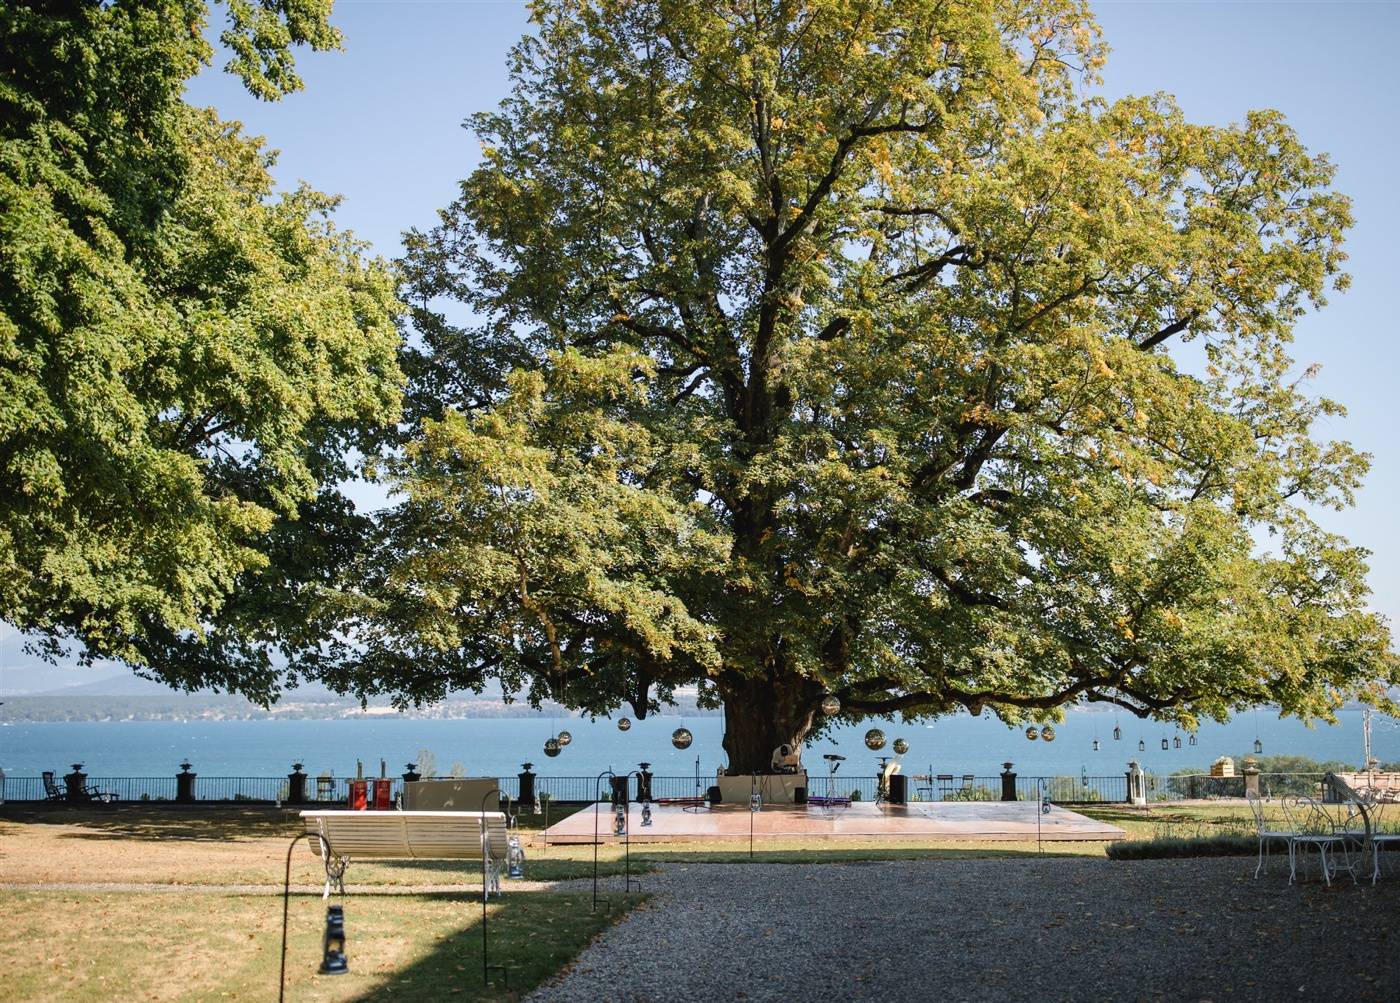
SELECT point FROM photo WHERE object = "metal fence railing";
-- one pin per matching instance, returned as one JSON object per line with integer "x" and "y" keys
{"x": 1068, "y": 789}
{"x": 1196, "y": 786}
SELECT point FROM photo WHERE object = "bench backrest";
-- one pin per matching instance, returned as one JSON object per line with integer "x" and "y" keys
{"x": 419, "y": 835}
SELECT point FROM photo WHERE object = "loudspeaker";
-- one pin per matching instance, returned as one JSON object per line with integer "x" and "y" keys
{"x": 619, "y": 789}
{"x": 713, "y": 794}
{"x": 899, "y": 789}
{"x": 799, "y": 795}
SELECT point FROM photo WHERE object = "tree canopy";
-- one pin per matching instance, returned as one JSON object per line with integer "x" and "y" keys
{"x": 859, "y": 347}
{"x": 186, "y": 358}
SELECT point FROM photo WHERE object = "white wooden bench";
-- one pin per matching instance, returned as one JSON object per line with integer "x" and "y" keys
{"x": 409, "y": 835}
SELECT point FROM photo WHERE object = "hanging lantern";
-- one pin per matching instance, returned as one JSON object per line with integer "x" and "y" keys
{"x": 1096, "y": 745}
{"x": 681, "y": 738}
{"x": 900, "y": 746}
{"x": 515, "y": 858}
{"x": 1117, "y": 733}
{"x": 874, "y": 739}
{"x": 1047, "y": 734}
{"x": 623, "y": 723}
{"x": 333, "y": 943}
{"x": 564, "y": 739}
{"x": 1142, "y": 745}
{"x": 1192, "y": 739}
{"x": 1164, "y": 743}
{"x": 1258, "y": 746}
{"x": 1176, "y": 741}
{"x": 1031, "y": 733}
{"x": 830, "y": 705}
{"x": 551, "y": 747}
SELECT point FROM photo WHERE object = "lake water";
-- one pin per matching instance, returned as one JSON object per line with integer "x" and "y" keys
{"x": 497, "y": 746}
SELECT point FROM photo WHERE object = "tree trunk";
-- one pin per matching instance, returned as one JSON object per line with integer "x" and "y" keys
{"x": 762, "y": 714}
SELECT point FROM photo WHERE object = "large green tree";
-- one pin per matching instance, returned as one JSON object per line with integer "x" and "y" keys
{"x": 856, "y": 347}
{"x": 186, "y": 357}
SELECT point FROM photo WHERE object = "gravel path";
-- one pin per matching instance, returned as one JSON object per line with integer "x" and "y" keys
{"x": 998, "y": 929}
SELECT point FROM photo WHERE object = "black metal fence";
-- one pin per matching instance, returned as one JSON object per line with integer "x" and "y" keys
{"x": 966, "y": 787}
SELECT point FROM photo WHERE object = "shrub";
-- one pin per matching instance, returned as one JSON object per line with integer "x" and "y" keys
{"x": 1172, "y": 847}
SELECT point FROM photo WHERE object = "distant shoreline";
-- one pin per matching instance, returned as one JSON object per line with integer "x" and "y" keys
{"x": 204, "y": 707}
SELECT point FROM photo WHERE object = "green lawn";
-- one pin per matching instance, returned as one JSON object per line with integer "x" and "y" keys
{"x": 195, "y": 947}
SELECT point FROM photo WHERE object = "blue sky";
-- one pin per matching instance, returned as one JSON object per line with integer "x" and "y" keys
{"x": 380, "y": 123}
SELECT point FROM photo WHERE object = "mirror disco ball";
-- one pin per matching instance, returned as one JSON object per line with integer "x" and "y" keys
{"x": 681, "y": 738}
{"x": 1032, "y": 734}
{"x": 900, "y": 746}
{"x": 623, "y": 723}
{"x": 551, "y": 747}
{"x": 565, "y": 738}
{"x": 1047, "y": 734}
{"x": 874, "y": 739}
{"x": 830, "y": 705}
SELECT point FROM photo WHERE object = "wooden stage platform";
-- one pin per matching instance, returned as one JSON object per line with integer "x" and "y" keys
{"x": 921, "y": 820}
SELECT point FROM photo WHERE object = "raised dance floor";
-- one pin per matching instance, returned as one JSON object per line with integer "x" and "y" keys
{"x": 922, "y": 820}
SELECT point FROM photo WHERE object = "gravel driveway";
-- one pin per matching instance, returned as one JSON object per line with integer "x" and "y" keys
{"x": 1033, "y": 929}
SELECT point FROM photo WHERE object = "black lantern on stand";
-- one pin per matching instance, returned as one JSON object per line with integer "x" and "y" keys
{"x": 333, "y": 943}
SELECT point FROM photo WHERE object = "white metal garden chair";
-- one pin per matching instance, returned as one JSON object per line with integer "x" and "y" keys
{"x": 1266, "y": 831}
{"x": 1315, "y": 827}
{"x": 1364, "y": 824}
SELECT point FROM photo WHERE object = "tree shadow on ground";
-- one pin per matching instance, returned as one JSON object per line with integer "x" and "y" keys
{"x": 533, "y": 935}
{"x": 133, "y": 821}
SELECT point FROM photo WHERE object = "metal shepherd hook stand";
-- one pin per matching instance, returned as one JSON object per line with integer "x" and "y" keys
{"x": 597, "y": 797}
{"x": 627, "y": 840}
{"x": 486, "y": 890}
{"x": 626, "y": 834}
{"x": 286, "y": 895}
{"x": 1042, "y": 807}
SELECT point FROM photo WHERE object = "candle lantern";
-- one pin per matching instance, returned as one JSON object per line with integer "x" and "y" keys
{"x": 333, "y": 943}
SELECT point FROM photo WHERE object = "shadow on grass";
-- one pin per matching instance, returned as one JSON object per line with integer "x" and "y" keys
{"x": 134, "y": 821}
{"x": 534, "y": 936}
